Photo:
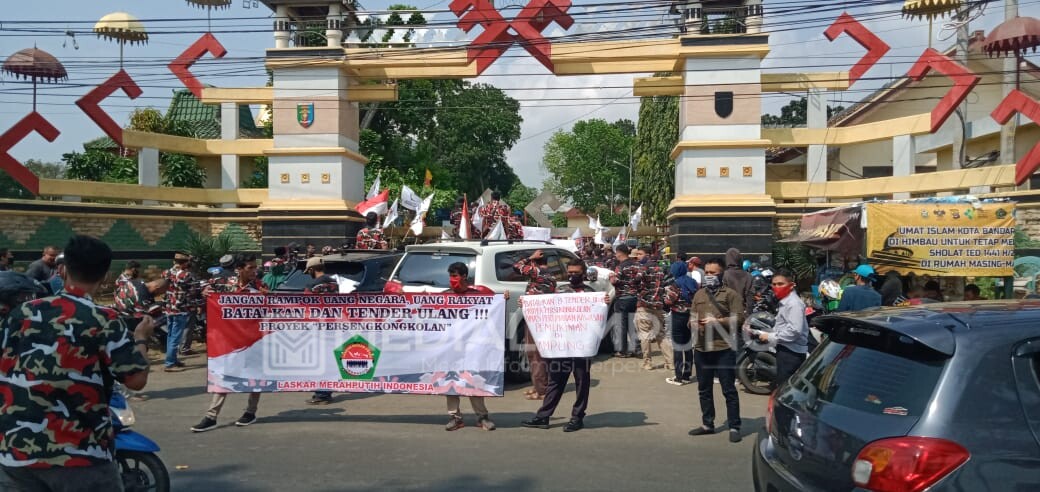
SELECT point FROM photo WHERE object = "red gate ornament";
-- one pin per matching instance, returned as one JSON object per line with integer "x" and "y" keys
{"x": 1018, "y": 102}
{"x": 526, "y": 29}
{"x": 33, "y": 122}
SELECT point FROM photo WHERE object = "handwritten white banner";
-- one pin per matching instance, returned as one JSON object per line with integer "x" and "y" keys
{"x": 566, "y": 325}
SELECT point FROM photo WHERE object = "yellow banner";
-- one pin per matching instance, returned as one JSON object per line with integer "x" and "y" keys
{"x": 955, "y": 239}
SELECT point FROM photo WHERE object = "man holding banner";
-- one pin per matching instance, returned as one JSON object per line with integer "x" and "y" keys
{"x": 560, "y": 369}
{"x": 458, "y": 279}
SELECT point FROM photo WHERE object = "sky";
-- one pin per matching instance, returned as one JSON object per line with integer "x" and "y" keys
{"x": 548, "y": 103}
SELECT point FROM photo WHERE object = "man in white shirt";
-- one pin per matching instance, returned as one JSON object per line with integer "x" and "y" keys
{"x": 790, "y": 330}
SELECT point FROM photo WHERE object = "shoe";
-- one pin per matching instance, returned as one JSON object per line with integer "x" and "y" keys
{"x": 574, "y": 425}
{"x": 647, "y": 366}
{"x": 687, "y": 381}
{"x": 669, "y": 367}
{"x": 455, "y": 423}
{"x": 187, "y": 352}
{"x": 173, "y": 369}
{"x": 629, "y": 355}
{"x": 674, "y": 382}
{"x": 486, "y": 423}
{"x": 716, "y": 381}
{"x": 619, "y": 355}
{"x": 205, "y": 425}
{"x": 701, "y": 431}
{"x": 246, "y": 419}
{"x": 734, "y": 435}
{"x": 536, "y": 423}
{"x": 178, "y": 364}
{"x": 319, "y": 400}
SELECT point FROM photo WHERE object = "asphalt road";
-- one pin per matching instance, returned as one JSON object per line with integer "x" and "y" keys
{"x": 635, "y": 439}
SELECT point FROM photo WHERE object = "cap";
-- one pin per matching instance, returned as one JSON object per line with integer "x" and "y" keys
{"x": 864, "y": 270}
{"x": 227, "y": 261}
{"x": 313, "y": 262}
{"x": 696, "y": 260}
{"x": 180, "y": 256}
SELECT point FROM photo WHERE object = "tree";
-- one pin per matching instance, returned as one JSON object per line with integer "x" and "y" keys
{"x": 95, "y": 164}
{"x": 795, "y": 113}
{"x": 654, "y": 178}
{"x": 588, "y": 165}
{"x": 9, "y": 188}
{"x": 178, "y": 170}
{"x": 521, "y": 196}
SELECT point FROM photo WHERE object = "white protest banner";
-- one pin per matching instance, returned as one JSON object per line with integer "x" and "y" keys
{"x": 538, "y": 233}
{"x": 431, "y": 344}
{"x": 566, "y": 325}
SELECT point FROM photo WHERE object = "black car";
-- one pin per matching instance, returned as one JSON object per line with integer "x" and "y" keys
{"x": 369, "y": 268}
{"x": 937, "y": 397}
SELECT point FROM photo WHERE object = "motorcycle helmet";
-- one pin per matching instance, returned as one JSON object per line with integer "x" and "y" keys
{"x": 746, "y": 266}
{"x": 16, "y": 288}
{"x": 830, "y": 289}
{"x": 214, "y": 271}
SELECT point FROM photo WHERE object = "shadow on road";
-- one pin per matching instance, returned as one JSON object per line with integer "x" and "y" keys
{"x": 617, "y": 420}
{"x": 174, "y": 393}
{"x": 503, "y": 420}
{"x": 215, "y": 478}
{"x": 461, "y": 482}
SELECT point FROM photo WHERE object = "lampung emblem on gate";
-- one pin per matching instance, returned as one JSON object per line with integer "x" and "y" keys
{"x": 500, "y": 34}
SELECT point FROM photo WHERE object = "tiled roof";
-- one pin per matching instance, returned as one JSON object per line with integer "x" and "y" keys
{"x": 205, "y": 118}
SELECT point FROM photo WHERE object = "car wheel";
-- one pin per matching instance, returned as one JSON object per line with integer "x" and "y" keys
{"x": 518, "y": 367}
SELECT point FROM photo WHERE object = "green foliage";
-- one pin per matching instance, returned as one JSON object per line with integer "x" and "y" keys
{"x": 796, "y": 113}
{"x": 520, "y": 196}
{"x": 259, "y": 177}
{"x": 797, "y": 258}
{"x": 178, "y": 170}
{"x": 1023, "y": 241}
{"x": 654, "y": 180}
{"x": 9, "y": 188}
{"x": 588, "y": 165}
{"x": 206, "y": 249}
{"x": 559, "y": 220}
{"x": 458, "y": 130}
{"x": 100, "y": 165}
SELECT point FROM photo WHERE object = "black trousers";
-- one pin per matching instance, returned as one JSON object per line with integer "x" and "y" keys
{"x": 559, "y": 372}
{"x": 682, "y": 348}
{"x": 787, "y": 363}
{"x": 723, "y": 365}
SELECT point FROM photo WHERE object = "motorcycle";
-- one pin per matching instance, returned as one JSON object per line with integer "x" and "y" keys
{"x": 756, "y": 365}
{"x": 139, "y": 465}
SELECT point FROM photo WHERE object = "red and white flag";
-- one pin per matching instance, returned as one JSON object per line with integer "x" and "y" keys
{"x": 464, "y": 225}
{"x": 375, "y": 204}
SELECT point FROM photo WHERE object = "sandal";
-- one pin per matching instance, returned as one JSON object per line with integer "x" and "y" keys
{"x": 529, "y": 392}
{"x": 534, "y": 396}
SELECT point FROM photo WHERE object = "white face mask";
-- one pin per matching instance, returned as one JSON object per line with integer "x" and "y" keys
{"x": 711, "y": 281}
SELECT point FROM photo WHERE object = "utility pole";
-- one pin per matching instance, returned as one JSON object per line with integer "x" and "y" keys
{"x": 960, "y": 137}
{"x": 1011, "y": 68}
{"x": 631, "y": 153}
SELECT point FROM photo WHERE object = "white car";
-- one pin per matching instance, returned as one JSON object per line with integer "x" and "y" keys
{"x": 424, "y": 268}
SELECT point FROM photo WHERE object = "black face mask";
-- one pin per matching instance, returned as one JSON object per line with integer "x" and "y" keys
{"x": 577, "y": 279}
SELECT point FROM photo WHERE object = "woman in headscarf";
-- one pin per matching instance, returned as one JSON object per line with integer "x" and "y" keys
{"x": 678, "y": 297}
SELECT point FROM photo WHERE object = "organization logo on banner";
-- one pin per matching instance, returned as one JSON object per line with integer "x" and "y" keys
{"x": 305, "y": 114}
{"x": 357, "y": 358}
{"x": 293, "y": 353}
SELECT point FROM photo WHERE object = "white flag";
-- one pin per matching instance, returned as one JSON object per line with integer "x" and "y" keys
{"x": 425, "y": 205}
{"x": 620, "y": 238}
{"x": 498, "y": 233}
{"x": 577, "y": 234}
{"x": 391, "y": 215}
{"x": 445, "y": 235}
{"x": 478, "y": 218}
{"x": 593, "y": 223}
{"x": 417, "y": 224}
{"x": 636, "y": 218}
{"x": 409, "y": 199}
{"x": 374, "y": 190}
{"x": 598, "y": 238}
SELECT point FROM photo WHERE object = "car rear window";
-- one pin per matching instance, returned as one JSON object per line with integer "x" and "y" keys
{"x": 556, "y": 261}
{"x": 431, "y": 268}
{"x": 869, "y": 380}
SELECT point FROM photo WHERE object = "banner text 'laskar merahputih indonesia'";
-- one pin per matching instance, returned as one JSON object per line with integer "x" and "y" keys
{"x": 434, "y": 344}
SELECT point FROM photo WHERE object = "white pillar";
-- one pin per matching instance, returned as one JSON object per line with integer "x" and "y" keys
{"x": 692, "y": 17}
{"x": 1007, "y": 132}
{"x": 904, "y": 159}
{"x": 753, "y": 16}
{"x": 281, "y": 27}
{"x": 229, "y": 163}
{"x": 816, "y": 163}
{"x": 334, "y": 26}
{"x": 148, "y": 170}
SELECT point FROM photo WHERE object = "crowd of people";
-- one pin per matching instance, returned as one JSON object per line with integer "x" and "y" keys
{"x": 691, "y": 311}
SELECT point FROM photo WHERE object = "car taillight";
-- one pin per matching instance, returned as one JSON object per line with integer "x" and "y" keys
{"x": 769, "y": 412}
{"x": 906, "y": 464}
{"x": 393, "y": 287}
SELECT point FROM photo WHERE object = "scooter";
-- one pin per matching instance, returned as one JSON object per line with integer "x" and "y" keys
{"x": 139, "y": 465}
{"x": 756, "y": 365}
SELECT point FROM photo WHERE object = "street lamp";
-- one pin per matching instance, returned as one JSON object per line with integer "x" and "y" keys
{"x": 629, "y": 166}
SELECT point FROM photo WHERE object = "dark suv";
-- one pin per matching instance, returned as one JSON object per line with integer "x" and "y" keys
{"x": 937, "y": 397}
{"x": 369, "y": 268}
